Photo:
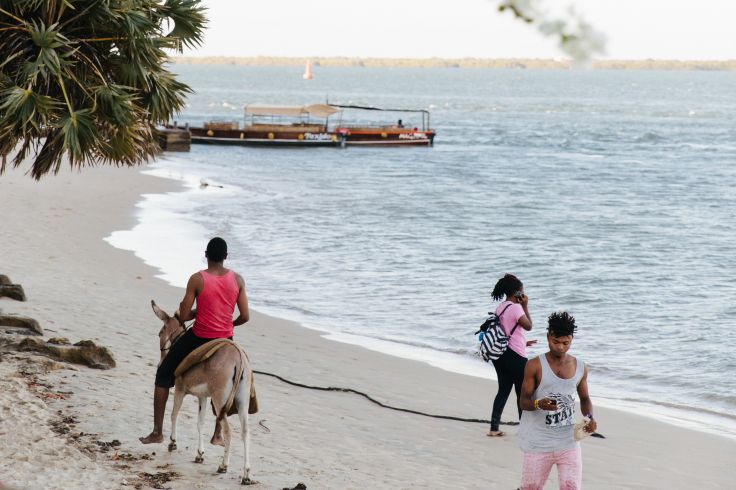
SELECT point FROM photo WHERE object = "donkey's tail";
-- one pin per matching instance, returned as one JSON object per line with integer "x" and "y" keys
{"x": 237, "y": 377}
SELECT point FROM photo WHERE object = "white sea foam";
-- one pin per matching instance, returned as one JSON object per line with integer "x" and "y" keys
{"x": 165, "y": 236}
{"x": 682, "y": 417}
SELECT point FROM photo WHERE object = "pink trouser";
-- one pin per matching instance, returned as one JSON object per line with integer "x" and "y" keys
{"x": 537, "y": 466}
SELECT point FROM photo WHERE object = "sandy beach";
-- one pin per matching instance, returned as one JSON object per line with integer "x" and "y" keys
{"x": 70, "y": 427}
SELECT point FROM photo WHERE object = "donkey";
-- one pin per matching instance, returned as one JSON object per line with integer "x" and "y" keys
{"x": 214, "y": 377}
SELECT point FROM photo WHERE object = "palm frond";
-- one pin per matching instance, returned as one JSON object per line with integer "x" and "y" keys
{"x": 85, "y": 80}
{"x": 22, "y": 108}
{"x": 188, "y": 18}
{"x": 165, "y": 96}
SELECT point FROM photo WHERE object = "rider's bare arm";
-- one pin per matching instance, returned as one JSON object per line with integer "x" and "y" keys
{"x": 244, "y": 315}
{"x": 194, "y": 286}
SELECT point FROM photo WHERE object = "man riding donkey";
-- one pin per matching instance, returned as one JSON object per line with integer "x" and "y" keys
{"x": 216, "y": 290}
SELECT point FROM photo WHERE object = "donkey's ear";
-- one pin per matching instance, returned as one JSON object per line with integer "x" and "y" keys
{"x": 159, "y": 312}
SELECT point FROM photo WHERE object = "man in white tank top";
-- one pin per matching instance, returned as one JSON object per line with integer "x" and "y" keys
{"x": 551, "y": 382}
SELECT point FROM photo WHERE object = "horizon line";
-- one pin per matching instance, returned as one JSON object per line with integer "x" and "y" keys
{"x": 467, "y": 62}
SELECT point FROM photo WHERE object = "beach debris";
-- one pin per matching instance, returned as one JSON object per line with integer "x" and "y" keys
{"x": 5, "y": 280}
{"x": 299, "y": 486}
{"x": 64, "y": 425}
{"x": 48, "y": 365}
{"x": 263, "y": 426}
{"x": 31, "y": 364}
{"x": 203, "y": 183}
{"x": 24, "y": 322}
{"x": 380, "y": 404}
{"x": 12, "y": 291}
{"x": 84, "y": 352}
{"x": 59, "y": 341}
{"x": 155, "y": 480}
{"x": 106, "y": 446}
{"x": 131, "y": 457}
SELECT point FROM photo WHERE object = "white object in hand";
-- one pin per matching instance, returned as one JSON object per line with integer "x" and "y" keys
{"x": 579, "y": 432}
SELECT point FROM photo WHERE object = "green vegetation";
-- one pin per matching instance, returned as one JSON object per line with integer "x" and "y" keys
{"x": 84, "y": 80}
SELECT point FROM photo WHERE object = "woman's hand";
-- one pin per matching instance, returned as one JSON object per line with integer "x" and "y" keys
{"x": 590, "y": 427}
{"x": 524, "y": 300}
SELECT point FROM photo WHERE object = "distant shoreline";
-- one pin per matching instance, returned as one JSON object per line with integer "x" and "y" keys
{"x": 517, "y": 63}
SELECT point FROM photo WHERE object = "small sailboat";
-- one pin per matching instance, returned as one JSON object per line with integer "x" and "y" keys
{"x": 308, "y": 71}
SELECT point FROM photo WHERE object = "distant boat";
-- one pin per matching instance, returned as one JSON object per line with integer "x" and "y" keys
{"x": 308, "y": 71}
{"x": 273, "y": 125}
{"x": 310, "y": 125}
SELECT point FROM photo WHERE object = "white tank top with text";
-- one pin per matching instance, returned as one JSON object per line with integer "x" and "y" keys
{"x": 541, "y": 431}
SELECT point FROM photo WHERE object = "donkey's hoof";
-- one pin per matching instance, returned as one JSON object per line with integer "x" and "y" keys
{"x": 222, "y": 469}
{"x": 199, "y": 459}
{"x": 172, "y": 446}
{"x": 247, "y": 481}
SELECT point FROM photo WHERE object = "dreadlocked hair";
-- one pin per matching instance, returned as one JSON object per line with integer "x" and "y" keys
{"x": 506, "y": 286}
{"x": 561, "y": 324}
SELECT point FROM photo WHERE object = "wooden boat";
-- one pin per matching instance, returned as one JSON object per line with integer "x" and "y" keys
{"x": 310, "y": 126}
{"x": 273, "y": 125}
{"x": 380, "y": 134}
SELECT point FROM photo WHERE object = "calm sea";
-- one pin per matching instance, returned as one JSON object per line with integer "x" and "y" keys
{"x": 609, "y": 193}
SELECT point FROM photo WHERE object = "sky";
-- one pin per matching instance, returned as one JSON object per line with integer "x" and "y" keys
{"x": 634, "y": 29}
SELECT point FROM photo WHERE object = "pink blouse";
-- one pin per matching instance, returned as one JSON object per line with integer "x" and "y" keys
{"x": 517, "y": 342}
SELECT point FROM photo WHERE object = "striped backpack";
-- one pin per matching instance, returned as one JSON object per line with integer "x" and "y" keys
{"x": 493, "y": 340}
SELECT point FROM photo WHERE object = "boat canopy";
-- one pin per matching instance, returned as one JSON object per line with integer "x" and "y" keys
{"x": 369, "y": 108}
{"x": 315, "y": 110}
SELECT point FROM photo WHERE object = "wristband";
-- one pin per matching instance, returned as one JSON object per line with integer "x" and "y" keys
{"x": 589, "y": 415}
{"x": 536, "y": 404}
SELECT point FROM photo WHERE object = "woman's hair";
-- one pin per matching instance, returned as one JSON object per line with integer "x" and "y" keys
{"x": 561, "y": 324}
{"x": 506, "y": 286}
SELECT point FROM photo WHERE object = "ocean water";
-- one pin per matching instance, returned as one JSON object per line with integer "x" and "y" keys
{"x": 609, "y": 193}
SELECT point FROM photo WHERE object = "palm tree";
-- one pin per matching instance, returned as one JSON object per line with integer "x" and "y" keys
{"x": 86, "y": 80}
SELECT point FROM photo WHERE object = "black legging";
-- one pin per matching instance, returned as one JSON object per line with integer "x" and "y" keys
{"x": 510, "y": 372}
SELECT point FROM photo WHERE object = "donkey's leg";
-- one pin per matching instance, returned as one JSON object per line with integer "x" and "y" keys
{"x": 178, "y": 398}
{"x": 245, "y": 429}
{"x": 200, "y": 429}
{"x": 227, "y": 435}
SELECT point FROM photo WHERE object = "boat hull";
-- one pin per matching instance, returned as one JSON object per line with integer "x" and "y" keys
{"x": 247, "y": 137}
{"x": 386, "y": 137}
{"x": 311, "y": 136}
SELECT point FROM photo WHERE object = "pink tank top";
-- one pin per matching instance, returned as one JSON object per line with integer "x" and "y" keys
{"x": 215, "y": 306}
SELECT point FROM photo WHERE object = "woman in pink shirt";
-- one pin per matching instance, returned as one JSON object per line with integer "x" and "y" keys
{"x": 513, "y": 313}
